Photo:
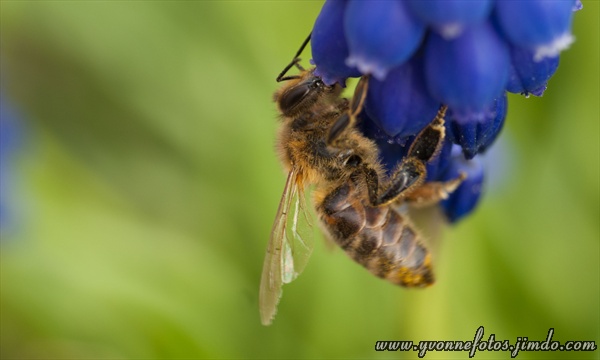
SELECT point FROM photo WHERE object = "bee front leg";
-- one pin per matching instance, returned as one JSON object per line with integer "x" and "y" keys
{"x": 360, "y": 94}
{"x": 333, "y": 137}
{"x": 348, "y": 119}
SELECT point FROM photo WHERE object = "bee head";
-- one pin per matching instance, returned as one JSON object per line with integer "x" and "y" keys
{"x": 298, "y": 96}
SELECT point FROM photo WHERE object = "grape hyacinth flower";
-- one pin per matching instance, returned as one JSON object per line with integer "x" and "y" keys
{"x": 461, "y": 53}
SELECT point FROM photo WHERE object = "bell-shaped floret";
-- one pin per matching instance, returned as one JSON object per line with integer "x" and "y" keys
{"x": 449, "y": 18}
{"x": 381, "y": 35}
{"x": 475, "y": 137}
{"x": 329, "y": 47}
{"x": 400, "y": 104}
{"x": 467, "y": 73}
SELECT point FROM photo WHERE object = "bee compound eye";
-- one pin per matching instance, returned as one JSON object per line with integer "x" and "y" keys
{"x": 293, "y": 97}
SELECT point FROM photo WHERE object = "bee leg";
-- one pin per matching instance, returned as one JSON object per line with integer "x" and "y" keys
{"x": 360, "y": 94}
{"x": 368, "y": 175}
{"x": 411, "y": 171}
{"x": 348, "y": 119}
{"x": 338, "y": 127}
{"x": 409, "y": 175}
{"x": 428, "y": 142}
{"x": 433, "y": 192}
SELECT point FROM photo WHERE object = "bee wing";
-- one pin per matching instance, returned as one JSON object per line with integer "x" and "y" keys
{"x": 299, "y": 234}
{"x": 289, "y": 247}
{"x": 430, "y": 221}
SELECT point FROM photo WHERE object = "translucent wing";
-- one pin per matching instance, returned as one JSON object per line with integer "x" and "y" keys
{"x": 289, "y": 247}
{"x": 299, "y": 233}
{"x": 431, "y": 223}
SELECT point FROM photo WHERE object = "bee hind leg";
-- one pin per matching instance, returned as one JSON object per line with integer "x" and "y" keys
{"x": 409, "y": 175}
{"x": 433, "y": 192}
{"x": 412, "y": 172}
{"x": 428, "y": 142}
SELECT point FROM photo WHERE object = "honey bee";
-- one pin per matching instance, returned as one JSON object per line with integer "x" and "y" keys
{"x": 357, "y": 203}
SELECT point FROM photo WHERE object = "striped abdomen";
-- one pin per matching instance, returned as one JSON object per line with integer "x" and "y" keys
{"x": 379, "y": 238}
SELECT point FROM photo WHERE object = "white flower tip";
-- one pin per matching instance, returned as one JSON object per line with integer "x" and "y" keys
{"x": 451, "y": 31}
{"x": 367, "y": 67}
{"x": 577, "y": 6}
{"x": 554, "y": 48}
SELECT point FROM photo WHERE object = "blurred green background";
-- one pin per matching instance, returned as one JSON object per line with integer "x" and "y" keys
{"x": 146, "y": 184}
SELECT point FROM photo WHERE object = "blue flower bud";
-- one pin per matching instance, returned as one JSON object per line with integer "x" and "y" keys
{"x": 475, "y": 137}
{"x": 438, "y": 165}
{"x": 539, "y": 25}
{"x": 578, "y": 5}
{"x": 449, "y": 18}
{"x": 467, "y": 72}
{"x": 391, "y": 149}
{"x": 465, "y": 198}
{"x": 400, "y": 104}
{"x": 328, "y": 44}
{"x": 528, "y": 76}
{"x": 381, "y": 35}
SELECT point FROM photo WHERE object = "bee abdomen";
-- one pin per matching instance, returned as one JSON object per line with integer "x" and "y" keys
{"x": 379, "y": 238}
{"x": 342, "y": 220}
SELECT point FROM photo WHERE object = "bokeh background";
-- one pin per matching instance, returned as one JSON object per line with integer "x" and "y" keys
{"x": 139, "y": 185}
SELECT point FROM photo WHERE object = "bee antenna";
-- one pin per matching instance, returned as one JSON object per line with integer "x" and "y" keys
{"x": 294, "y": 62}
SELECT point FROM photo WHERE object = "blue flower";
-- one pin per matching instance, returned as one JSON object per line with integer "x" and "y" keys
{"x": 528, "y": 76}
{"x": 465, "y": 198}
{"x": 462, "y": 53}
{"x": 539, "y": 25}
{"x": 475, "y": 137}
{"x": 381, "y": 35}
{"x": 401, "y": 104}
{"x": 449, "y": 18}
{"x": 468, "y": 72}
{"x": 391, "y": 148}
{"x": 438, "y": 165}
{"x": 329, "y": 46}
